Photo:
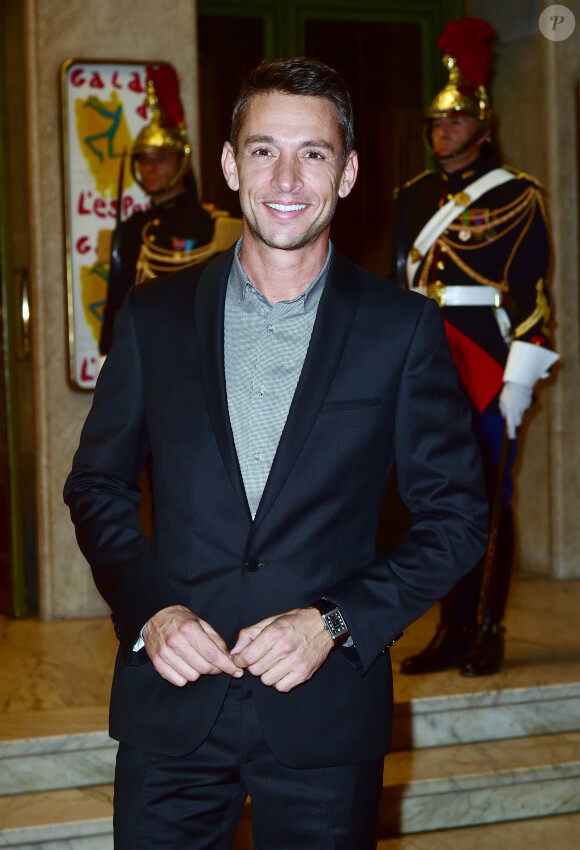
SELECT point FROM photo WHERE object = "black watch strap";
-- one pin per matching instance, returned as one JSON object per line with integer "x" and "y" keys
{"x": 334, "y": 622}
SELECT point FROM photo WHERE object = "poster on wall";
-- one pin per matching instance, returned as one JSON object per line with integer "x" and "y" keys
{"x": 104, "y": 108}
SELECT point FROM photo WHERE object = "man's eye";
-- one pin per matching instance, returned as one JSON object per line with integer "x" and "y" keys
{"x": 261, "y": 152}
{"x": 314, "y": 155}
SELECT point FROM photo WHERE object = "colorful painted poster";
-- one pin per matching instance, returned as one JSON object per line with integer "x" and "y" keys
{"x": 104, "y": 109}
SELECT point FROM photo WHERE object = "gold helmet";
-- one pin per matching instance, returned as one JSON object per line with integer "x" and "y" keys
{"x": 467, "y": 46}
{"x": 166, "y": 128}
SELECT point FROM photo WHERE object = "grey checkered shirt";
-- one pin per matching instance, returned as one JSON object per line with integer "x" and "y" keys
{"x": 264, "y": 351}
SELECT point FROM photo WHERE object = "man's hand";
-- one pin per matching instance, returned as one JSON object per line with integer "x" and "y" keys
{"x": 285, "y": 650}
{"x": 183, "y": 647}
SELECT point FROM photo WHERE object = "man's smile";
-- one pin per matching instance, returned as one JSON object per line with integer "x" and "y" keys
{"x": 286, "y": 207}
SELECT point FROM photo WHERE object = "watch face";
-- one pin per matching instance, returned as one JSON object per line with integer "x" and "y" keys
{"x": 335, "y": 623}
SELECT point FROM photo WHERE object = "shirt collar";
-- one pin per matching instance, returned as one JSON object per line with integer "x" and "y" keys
{"x": 241, "y": 283}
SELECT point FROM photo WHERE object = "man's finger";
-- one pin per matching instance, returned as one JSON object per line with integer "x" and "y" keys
{"x": 273, "y": 644}
{"x": 248, "y": 635}
{"x": 184, "y": 642}
{"x": 206, "y": 645}
{"x": 168, "y": 672}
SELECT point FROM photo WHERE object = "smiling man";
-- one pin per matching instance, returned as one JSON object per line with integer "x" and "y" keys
{"x": 273, "y": 389}
{"x": 291, "y": 176}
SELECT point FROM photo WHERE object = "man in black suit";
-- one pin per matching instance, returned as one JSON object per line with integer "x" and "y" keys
{"x": 274, "y": 389}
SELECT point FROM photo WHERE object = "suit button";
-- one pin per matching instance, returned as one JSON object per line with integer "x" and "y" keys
{"x": 253, "y": 565}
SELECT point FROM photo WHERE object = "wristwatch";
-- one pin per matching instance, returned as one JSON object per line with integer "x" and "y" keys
{"x": 334, "y": 622}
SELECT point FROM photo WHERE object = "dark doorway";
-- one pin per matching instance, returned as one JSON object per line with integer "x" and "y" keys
{"x": 229, "y": 47}
{"x": 381, "y": 65}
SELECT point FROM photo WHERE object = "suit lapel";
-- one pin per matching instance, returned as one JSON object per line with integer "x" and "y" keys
{"x": 209, "y": 326}
{"x": 334, "y": 319}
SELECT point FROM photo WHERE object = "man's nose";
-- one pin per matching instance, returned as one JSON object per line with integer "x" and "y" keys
{"x": 287, "y": 173}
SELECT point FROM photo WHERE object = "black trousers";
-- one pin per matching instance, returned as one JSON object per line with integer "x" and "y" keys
{"x": 194, "y": 802}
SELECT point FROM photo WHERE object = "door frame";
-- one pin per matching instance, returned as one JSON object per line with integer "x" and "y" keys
{"x": 9, "y": 337}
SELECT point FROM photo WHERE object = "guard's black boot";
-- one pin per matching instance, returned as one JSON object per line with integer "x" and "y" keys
{"x": 486, "y": 653}
{"x": 446, "y": 650}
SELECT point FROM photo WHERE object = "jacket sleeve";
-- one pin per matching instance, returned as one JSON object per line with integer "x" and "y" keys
{"x": 528, "y": 299}
{"x": 440, "y": 480}
{"x": 102, "y": 489}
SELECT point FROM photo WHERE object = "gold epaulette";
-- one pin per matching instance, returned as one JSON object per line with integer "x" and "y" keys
{"x": 522, "y": 175}
{"x": 412, "y": 180}
{"x": 154, "y": 261}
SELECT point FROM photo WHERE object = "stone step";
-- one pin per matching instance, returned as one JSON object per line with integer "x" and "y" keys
{"x": 561, "y": 831}
{"x": 436, "y": 788}
{"x": 493, "y": 781}
{"x": 36, "y": 754}
{"x": 65, "y": 748}
{"x": 79, "y": 818}
{"x": 73, "y": 819}
{"x": 486, "y": 716}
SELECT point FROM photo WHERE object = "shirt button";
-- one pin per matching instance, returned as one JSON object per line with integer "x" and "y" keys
{"x": 270, "y": 329}
{"x": 257, "y": 455}
{"x": 262, "y": 390}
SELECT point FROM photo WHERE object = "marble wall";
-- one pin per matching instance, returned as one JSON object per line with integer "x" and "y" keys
{"x": 535, "y": 96}
{"x": 56, "y": 30}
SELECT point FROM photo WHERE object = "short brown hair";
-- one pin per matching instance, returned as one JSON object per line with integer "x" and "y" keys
{"x": 299, "y": 76}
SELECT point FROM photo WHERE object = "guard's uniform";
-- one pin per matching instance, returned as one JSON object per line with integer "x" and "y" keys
{"x": 475, "y": 239}
{"x": 500, "y": 242}
{"x": 175, "y": 226}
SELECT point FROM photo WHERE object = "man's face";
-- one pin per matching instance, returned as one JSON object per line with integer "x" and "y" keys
{"x": 450, "y": 134}
{"x": 289, "y": 169}
{"x": 158, "y": 167}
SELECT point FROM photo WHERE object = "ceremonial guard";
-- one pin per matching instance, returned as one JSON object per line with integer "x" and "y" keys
{"x": 158, "y": 240}
{"x": 473, "y": 236}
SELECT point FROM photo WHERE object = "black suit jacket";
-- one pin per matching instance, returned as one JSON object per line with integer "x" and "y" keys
{"x": 378, "y": 387}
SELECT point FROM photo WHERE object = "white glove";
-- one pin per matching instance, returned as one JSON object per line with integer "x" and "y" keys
{"x": 514, "y": 400}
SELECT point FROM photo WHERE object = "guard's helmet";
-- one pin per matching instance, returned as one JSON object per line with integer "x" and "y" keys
{"x": 166, "y": 128}
{"x": 467, "y": 47}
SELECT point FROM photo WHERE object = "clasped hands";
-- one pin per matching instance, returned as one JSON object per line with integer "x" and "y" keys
{"x": 284, "y": 651}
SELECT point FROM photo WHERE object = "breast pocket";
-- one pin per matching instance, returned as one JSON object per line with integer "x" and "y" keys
{"x": 350, "y": 404}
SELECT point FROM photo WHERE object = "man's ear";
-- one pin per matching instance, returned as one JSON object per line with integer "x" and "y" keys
{"x": 229, "y": 167}
{"x": 486, "y": 134}
{"x": 349, "y": 173}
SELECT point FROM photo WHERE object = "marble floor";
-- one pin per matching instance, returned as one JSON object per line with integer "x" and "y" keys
{"x": 542, "y": 643}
